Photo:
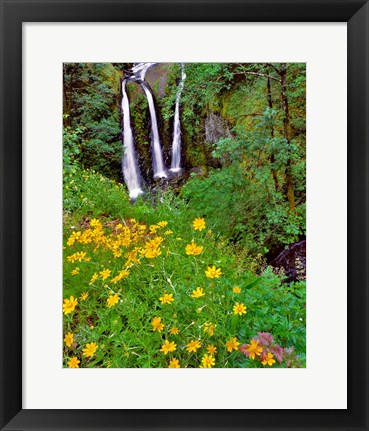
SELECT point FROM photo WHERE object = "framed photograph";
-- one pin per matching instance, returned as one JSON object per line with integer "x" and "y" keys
{"x": 184, "y": 185}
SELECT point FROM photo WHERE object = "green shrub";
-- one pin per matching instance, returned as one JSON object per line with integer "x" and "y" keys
{"x": 128, "y": 265}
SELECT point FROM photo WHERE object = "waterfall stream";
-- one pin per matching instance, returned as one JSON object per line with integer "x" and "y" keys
{"x": 129, "y": 163}
{"x": 139, "y": 70}
{"x": 131, "y": 171}
{"x": 176, "y": 146}
{"x": 157, "y": 157}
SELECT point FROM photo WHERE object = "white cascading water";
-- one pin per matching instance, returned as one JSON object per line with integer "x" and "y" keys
{"x": 157, "y": 157}
{"x": 131, "y": 172}
{"x": 139, "y": 71}
{"x": 176, "y": 145}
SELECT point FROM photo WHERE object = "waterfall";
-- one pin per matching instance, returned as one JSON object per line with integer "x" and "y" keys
{"x": 131, "y": 172}
{"x": 157, "y": 158}
{"x": 176, "y": 146}
{"x": 139, "y": 70}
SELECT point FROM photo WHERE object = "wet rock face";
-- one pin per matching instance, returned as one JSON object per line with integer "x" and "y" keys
{"x": 157, "y": 77}
{"x": 216, "y": 128}
{"x": 173, "y": 182}
{"x": 292, "y": 261}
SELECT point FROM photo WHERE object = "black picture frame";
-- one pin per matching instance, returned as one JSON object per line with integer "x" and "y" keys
{"x": 13, "y": 14}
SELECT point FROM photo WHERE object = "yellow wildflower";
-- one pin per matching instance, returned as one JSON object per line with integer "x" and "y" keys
{"x": 152, "y": 253}
{"x": 253, "y": 349}
{"x": 90, "y": 349}
{"x": 157, "y": 324}
{"x": 199, "y": 223}
{"x": 122, "y": 273}
{"x": 209, "y": 328}
{"x": 174, "y": 331}
{"x": 192, "y": 346}
{"x": 168, "y": 232}
{"x": 153, "y": 228}
{"x": 132, "y": 256}
{"x": 168, "y": 347}
{"x": 194, "y": 249}
{"x": 117, "y": 253}
{"x": 152, "y": 248}
{"x": 268, "y": 359}
{"x": 94, "y": 278}
{"x": 213, "y": 272}
{"x": 236, "y": 289}
{"x": 69, "y": 305}
{"x": 239, "y": 309}
{"x": 157, "y": 240}
{"x": 83, "y": 296}
{"x": 112, "y": 300}
{"x": 95, "y": 223}
{"x": 167, "y": 298}
{"x": 75, "y": 271}
{"x": 79, "y": 255}
{"x": 115, "y": 279}
{"x": 211, "y": 349}
{"x": 207, "y": 361}
{"x": 198, "y": 293}
{"x": 73, "y": 362}
{"x": 68, "y": 339}
{"x": 174, "y": 363}
{"x": 162, "y": 223}
{"x": 105, "y": 273}
{"x": 73, "y": 238}
{"x": 70, "y": 258}
{"x": 232, "y": 344}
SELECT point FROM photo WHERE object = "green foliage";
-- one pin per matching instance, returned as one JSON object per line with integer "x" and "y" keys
{"x": 87, "y": 193}
{"x": 245, "y": 211}
{"x": 124, "y": 332}
{"x": 91, "y": 104}
{"x": 168, "y": 101}
{"x": 249, "y": 185}
{"x": 247, "y": 170}
{"x": 71, "y": 147}
{"x": 241, "y": 198}
{"x": 140, "y": 119}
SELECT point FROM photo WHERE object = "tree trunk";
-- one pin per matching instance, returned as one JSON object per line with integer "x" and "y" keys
{"x": 68, "y": 94}
{"x": 272, "y": 157}
{"x": 286, "y": 130}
